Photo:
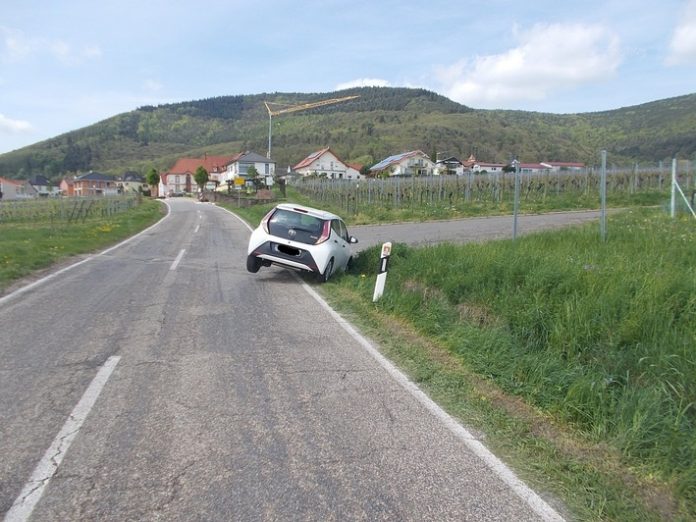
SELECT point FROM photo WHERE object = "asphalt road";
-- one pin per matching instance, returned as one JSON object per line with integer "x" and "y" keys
{"x": 232, "y": 396}
{"x": 468, "y": 230}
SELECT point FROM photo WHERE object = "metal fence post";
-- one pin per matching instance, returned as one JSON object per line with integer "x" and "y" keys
{"x": 603, "y": 197}
{"x": 516, "y": 204}
{"x": 673, "y": 199}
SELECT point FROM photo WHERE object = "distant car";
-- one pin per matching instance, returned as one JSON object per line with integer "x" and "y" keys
{"x": 302, "y": 238}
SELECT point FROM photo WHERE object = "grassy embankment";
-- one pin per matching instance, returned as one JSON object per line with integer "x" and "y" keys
{"x": 575, "y": 357}
{"x": 30, "y": 246}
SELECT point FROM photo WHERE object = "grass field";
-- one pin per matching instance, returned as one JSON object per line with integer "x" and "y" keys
{"x": 575, "y": 356}
{"x": 30, "y": 246}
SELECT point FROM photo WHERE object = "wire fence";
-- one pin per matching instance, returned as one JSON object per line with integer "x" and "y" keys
{"x": 64, "y": 210}
{"x": 405, "y": 192}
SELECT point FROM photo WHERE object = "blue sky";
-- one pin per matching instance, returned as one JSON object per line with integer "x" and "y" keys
{"x": 67, "y": 64}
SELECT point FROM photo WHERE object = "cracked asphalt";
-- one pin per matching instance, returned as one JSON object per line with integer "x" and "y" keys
{"x": 237, "y": 397}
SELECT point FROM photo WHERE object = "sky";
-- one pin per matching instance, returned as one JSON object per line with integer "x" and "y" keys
{"x": 66, "y": 64}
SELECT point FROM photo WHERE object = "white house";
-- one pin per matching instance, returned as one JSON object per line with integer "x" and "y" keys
{"x": 241, "y": 163}
{"x": 449, "y": 166}
{"x": 132, "y": 183}
{"x": 413, "y": 163}
{"x": 563, "y": 165}
{"x": 16, "y": 189}
{"x": 533, "y": 168}
{"x": 43, "y": 186}
{"x": 325, "y": 163}
{"x": 488, "y": 167}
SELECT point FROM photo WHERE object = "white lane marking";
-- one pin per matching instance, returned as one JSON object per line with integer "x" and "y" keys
{"x": 177, "y": 260}
{"x": 533, "y": 500}
{"x": 48, "y": 465}
{"x": 198, "y": 227}
{"x": 38, "y": 282}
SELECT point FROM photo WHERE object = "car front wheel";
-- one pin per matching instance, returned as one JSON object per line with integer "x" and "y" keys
{"x": 253, "y": 264}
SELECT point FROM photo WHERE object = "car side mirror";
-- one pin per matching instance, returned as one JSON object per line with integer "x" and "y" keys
{"x": 353, "y": 239}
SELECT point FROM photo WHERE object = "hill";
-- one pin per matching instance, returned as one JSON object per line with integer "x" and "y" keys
{"x": 381, "y": 122}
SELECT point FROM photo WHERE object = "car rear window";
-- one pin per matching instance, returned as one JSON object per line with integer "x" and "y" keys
{"x": 295, "y": 226}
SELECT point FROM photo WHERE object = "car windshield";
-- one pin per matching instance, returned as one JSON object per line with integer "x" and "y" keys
{"x": 295, "y": 226}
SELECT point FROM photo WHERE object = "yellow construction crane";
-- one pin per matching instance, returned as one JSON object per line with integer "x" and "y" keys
{"x": 294, "y": 108}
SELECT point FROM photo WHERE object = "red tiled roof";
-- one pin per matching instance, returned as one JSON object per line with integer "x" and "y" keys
{"x": 12, "y": 182}
{"x": 209, "y": 163}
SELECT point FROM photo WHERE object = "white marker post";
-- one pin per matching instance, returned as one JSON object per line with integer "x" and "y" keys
{"x": 382, "y": 274}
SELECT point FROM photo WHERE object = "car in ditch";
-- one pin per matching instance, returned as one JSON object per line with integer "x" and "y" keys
{"x": 301, "y": 238}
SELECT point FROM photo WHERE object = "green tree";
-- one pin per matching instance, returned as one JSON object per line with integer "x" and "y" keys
{"x": 153, "y": 179}
{"x": 201, "y": 177}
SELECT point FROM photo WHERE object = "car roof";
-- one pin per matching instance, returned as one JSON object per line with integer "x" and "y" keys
{"x": 321, "y": 214}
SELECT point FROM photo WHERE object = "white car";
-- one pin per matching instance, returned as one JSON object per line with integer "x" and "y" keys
{"x": 302, "y": 238}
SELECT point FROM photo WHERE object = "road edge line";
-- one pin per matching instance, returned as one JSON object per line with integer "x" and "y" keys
{"x": 529, "y": 496}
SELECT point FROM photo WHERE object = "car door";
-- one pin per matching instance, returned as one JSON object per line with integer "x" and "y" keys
{"x": 340, "y": 244}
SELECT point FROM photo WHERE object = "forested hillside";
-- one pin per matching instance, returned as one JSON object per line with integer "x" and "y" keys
{"x": 381, "y": 122}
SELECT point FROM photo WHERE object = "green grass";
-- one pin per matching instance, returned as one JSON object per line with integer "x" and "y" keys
{"x": 27, "y": 247}
{"x": 575, "y": 356}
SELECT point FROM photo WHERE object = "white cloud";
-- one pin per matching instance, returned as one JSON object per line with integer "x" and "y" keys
{"x": 363, "y": 82}
{"x": 9, "y": 126}
{"x": 683, "y": 45}
{"x": 548, "y": 58}
{"x": 16, "y": 47}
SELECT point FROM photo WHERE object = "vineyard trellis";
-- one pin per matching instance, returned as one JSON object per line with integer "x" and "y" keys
{"x": 498, "y": 187}
{"x": 64, "y": 210}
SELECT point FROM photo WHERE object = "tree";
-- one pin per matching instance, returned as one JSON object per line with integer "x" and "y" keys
{"x": 152, "y": 179}
{"x": 201, "y": 177}
{"x": 254, "y": 175}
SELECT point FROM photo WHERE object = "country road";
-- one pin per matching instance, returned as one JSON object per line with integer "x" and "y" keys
{"x": 467, "y": 230}
{"x": 161, "y": 381}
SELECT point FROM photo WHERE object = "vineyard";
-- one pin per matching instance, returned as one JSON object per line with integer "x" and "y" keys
{"x": 64, "y": 210}
{"x": 474, "y": 189}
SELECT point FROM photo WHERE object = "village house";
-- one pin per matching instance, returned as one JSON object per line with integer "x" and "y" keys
{"x": 481, "y": 167}
{"x": 132, "y": 183}
{"x": 180, "y": 178}
{"x": 448, "y": 167}
{"x": 43, "y": 187}
{"x": 95, "y": 184}
{"x": 326, "y": 163}
{"x": 67, "y": 186}
{"x": 533, "y": 168}
{"x": 13, "y": 189}
{"x": 413, "y": 163}
{"x": 563, "y": 165}
{"x": 243, "y": 161}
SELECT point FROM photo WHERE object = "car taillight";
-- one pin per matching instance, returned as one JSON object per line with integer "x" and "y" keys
{"x": 325, "y": 232}
{"x": 265, "y": 220}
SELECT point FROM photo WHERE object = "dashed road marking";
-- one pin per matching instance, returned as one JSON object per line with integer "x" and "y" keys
{"x": 178, "y": 259}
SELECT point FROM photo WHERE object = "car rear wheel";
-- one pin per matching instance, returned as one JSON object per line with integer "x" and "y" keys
{"x": 253, "y": 264}
{"x": 323, "y": 278}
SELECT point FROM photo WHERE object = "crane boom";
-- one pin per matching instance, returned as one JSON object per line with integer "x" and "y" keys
{"x": 294, "y": 108}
